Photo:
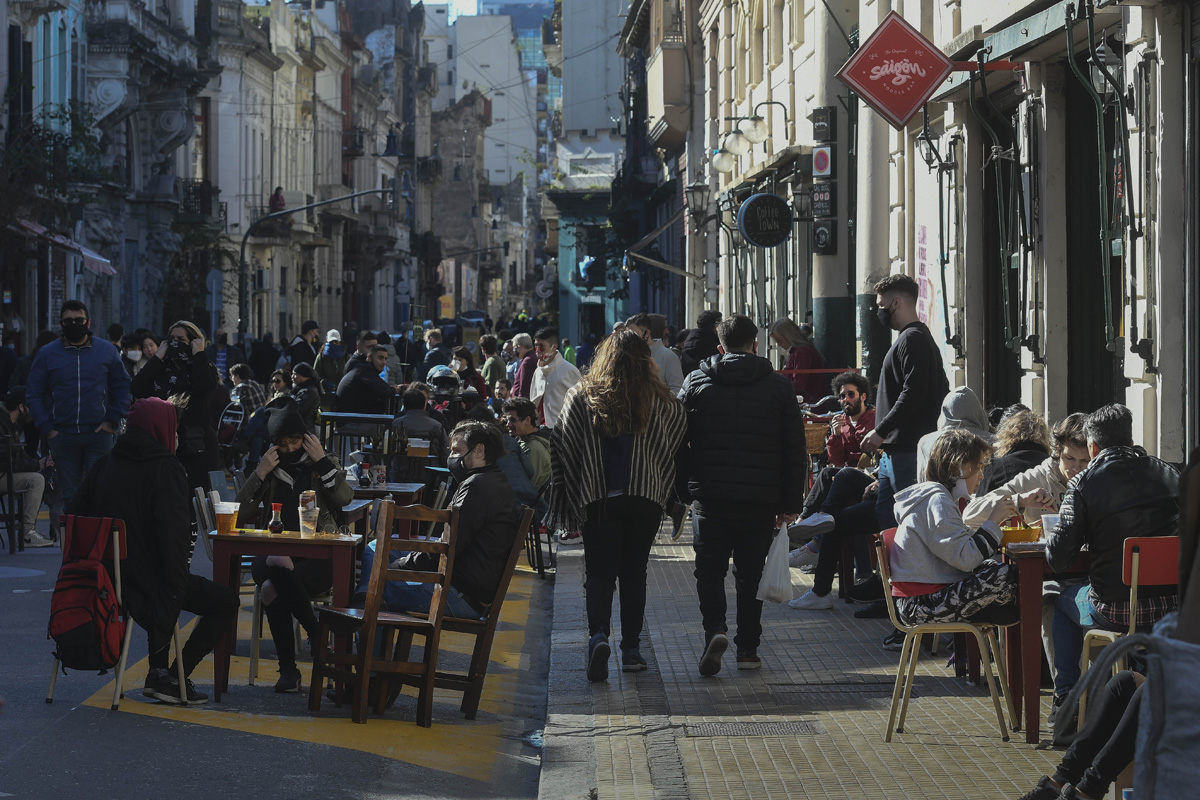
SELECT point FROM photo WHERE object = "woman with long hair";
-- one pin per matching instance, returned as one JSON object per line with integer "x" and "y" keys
{"x": 464, "y": 364}
{"x": 612, "y": 455}
{"x": 802, "y": 354}
{"x": 181, "y": 372}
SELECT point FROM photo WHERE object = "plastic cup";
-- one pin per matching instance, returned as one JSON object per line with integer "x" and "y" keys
{"x": 1049, "y": 521}
{"x": 308, "y": 523}
{"x": 226, "y": 517}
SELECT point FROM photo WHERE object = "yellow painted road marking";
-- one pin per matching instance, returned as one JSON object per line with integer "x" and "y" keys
{"x": 453, "y": 745}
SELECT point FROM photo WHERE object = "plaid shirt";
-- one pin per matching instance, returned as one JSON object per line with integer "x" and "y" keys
{"x": 1149, "y": 610}
{"x": 250, "y": 394}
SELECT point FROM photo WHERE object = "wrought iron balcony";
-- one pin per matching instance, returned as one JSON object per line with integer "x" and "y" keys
{"x": 198, "y": 200}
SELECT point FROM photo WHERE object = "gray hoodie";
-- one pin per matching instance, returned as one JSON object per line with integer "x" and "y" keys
{"x": 933, "y": 544}
{"x": 960, "y": 409}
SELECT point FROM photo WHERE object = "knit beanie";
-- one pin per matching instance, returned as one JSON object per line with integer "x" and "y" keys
{"x": 285, "y": 420}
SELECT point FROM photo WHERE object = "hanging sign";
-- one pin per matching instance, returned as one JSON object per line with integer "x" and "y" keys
{"x": 765, "y": 219}
{"x": 896, "y": 70}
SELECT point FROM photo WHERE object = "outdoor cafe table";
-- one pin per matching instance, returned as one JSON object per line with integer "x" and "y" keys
{"x": 404, "y": 494}
{"x": 1024, "y": 645}
{"x": 229, "y": 550}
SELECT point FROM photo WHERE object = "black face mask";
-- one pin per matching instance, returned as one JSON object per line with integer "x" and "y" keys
{"x": 222, "y": 339}
{"x": 293, "y": 458}
{"x": 458, "y": 469}
{"x": 885, "y": 317}
{"x": 75, "y": 329}
{"x": 178, "y": 350}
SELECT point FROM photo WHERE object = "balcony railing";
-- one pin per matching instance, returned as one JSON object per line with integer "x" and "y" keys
{"x": 198, "y": 198}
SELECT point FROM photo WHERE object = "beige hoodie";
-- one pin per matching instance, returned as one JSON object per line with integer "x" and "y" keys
{"x": 1043, "y": 476}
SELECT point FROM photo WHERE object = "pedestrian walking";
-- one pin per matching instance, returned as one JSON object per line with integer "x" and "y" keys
{"x": 744, "y": 469}
{"x": 304, "y": 348}
{"x": 553, "y": 379}
{"x": 329, "y": 366}
{"x": 612, "y": 458}
{"x": 78, "y": 393}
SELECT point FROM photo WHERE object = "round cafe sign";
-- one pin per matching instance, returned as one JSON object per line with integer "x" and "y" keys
{"x": 765, "y": 219}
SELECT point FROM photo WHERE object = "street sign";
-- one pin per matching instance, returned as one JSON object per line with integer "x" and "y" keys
{"x": 824, "y": 200}
{"x": 896, "y": 70}
{"x": 822, "y": 165}
{"x": 765, "y": 219}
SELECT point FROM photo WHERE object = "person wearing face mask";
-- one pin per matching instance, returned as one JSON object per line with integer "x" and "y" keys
{"x": 944, "y": 570}
{"x": 306, "y": 391}
{"x": 27, "y": 476}
{"x": 306, "y": 345}
{"x": 802, "y": 354}
{"x": 131, "y": 353}
{"x": 464, "y": 364}
{"x": 294, "y": 463}
{"x": 78, "y": 393}
{"x": 224, "y": 355}
{"x": 181, "y": 372}
{"x": 329, "y": 367}
{"x": 553, "y": 379}
{"x": 487, "y": 526}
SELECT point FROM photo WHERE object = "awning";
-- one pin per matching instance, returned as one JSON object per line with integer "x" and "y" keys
{"x": 649, "y": 239}
{"x": 91, "y": 259}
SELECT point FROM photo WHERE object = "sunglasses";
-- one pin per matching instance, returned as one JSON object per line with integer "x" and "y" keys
{"x": 277, "y": 382}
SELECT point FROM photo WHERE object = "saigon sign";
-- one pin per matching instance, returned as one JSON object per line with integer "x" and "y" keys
{"x": 765, "y": 219}
{"x": 896, "y": 70}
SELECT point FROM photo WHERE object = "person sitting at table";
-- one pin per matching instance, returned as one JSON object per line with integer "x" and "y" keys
{"x": 417, "y": 423}
{"x": 363, "y": 391}
{"x": 1022, "y": 443}
{"x": 487, "y": 525}
{"x": 1105, "y": 747}
{"x": 942, "y": 569}
{"x": 143, "y": 483}
{"x": 1123, "y": 493}
{"x": 1039, "y": 490}
{"x": 294, "y": 463}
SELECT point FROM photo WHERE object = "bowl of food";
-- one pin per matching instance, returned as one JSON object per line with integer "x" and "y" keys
{"x": 1016, "y": 535}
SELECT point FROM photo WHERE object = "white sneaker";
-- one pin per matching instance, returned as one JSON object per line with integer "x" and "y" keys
{"x": 35, "y": 539}
{"x": 812, "y": 602}
{"x": 803, "y": 556}
{"x": 815, "y": 525}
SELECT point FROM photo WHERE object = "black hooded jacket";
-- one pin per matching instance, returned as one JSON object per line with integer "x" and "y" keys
{"x": 745, "y": 437}
{"x": 699, "y": 345}
{"x": 143, "y": 483}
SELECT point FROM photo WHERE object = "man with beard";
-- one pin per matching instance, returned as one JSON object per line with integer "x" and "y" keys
{"x": 78, "y": 393}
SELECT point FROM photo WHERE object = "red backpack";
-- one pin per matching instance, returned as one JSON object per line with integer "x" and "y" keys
{"x": 85, "y": 620}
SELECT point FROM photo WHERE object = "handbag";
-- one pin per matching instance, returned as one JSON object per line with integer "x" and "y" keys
{"x": 776, "y": 583}
{"x": 191, "y": 440}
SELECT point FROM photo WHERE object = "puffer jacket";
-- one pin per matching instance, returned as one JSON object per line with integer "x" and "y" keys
{"x": 700, "y": 344}
{"x": 745, "y": 437}
{"x": 487, "y": 526}
{"x": 1123, "y": 492}
{"x": 144, "y": 484}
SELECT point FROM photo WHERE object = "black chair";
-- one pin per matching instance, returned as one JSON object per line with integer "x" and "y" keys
{"x": 12, "y": 502}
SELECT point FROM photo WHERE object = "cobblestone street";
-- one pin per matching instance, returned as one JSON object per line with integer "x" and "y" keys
{"x": 809, "y": 724}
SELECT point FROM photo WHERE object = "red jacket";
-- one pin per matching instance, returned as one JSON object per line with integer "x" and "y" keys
{"x": 812, "y": 387}
{"x": 843, "y": 448}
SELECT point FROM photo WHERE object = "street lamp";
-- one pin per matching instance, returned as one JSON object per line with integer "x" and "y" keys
{"x": 697, "y": 194}
{"x": 756, "y": 129}
{"x": 723, "y": 160}
{"x": 737, "y": 143}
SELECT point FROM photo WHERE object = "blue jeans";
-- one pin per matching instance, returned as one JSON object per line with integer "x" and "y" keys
{"x": 1074, "y": 616}
{"x": 74, "y": 454}
{"x": 404, "y": 596}
{"x": 897, "y": 471}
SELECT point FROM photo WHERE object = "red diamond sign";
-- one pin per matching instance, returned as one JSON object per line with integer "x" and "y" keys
{"x": 896, "y": 70}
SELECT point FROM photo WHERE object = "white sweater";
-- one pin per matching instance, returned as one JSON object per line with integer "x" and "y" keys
{"x": 550, "y": 385}
{"x": 1043, "y": 476}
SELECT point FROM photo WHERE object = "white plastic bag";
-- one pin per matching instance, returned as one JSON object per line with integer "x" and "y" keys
{"x": 776, "y": 583}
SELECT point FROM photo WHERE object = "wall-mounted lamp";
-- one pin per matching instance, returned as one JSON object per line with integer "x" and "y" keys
{"x": 723, "y": 160}
{"x": 697, "y": 195}
{"x": 927, "y": 147}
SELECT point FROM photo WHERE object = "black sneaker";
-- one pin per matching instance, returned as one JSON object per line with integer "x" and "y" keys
{"x": 289, "y": 680}
{"x": 714, "y": 647}
{"x": 894, "y": 641}
{"x": 867, "y": 591}
{"x": 195, "y": 698}
{"x": 597, "y": 658}
{"x": 1062, "y": 721}
{"x": 163, "y": 686}
{"x": 1043, "y": 791}
{"x": 748, "y": 659}
{"x": 875, "y": 610}
{"x": 632, "y": 661}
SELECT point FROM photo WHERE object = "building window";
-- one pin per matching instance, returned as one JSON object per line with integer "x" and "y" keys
{"x": 799, "y": 19}
{"x": 776, "y": 33}
{"x": 449, "y": 52}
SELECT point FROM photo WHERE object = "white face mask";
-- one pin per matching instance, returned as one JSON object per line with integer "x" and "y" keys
{"x": 134, "y": 355}
{"x": 960, "y": 490}
{"x": 456, "y": 365}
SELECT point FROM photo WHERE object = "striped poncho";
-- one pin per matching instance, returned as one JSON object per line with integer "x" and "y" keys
{"x": 577, "y": 467}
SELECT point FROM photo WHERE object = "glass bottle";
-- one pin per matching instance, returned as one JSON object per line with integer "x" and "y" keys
{"x": 364, "y": 475}
{"x": 276, "y": 523}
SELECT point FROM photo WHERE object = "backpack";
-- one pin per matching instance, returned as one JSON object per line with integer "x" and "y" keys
{"x": 85, "y": 620}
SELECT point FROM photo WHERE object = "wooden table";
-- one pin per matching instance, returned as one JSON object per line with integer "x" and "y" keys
{"x": 230, "y": 548}
{"x": 404, "y": 494}
{"x": 1024, "y": 644}
{"x": 358, "y": 516}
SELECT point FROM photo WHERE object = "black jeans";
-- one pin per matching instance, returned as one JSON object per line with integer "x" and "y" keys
{"x": 617, "y": 537}
{"x": 295, "y": 587}
{"x": 1107, "y": 743}
{"x": 822, "y": 483}
{"x": 746, "y": 537}
{"x": 852, "y": 516}
{"x": 215, "y": 605}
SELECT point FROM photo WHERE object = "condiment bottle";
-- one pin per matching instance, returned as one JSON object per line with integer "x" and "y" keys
{"x": 364, "y": 475}
{"x": 276, "y": 523}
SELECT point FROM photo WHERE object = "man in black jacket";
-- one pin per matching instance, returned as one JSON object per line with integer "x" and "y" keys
{"x": 361, "y": 357}
{"x": 1123, "y": 492}
{"x": 745, "y": 468}
{"x": 487, "y": 525}
{"x": 26, "y": 470}
{"x": 304, "y": 348}
{"x": 701, "y": 342}
{"x": 143, "y": 483}
{"x": 362, "y": 391}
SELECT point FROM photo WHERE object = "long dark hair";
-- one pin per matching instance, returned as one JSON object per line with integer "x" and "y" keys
{"x": 622, "y": 386}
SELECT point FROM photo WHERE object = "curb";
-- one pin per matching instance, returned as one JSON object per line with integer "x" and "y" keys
{"x": 568, "y": 744}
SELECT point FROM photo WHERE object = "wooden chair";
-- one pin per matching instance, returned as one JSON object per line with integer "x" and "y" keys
{"x": 910, "y": 651}
{"x": 79, "y": 536}
{"x": 1147, "y": 561}
{"x": 484, "y": 631}
{"x": 355, "y": 669}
